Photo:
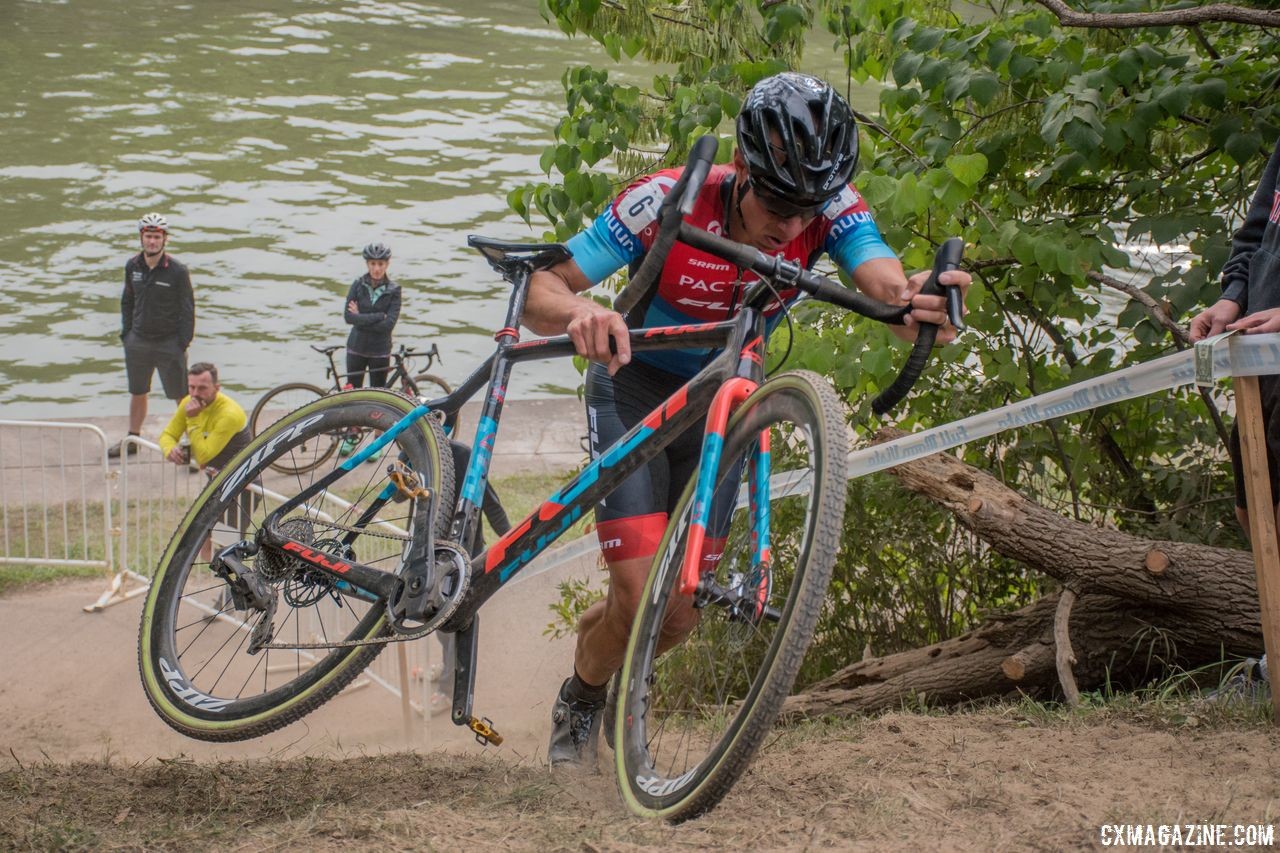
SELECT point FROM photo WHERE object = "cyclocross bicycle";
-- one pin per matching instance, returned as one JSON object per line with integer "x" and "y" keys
{"x": 729, "y": 608}
{"x": 285, "y": 398}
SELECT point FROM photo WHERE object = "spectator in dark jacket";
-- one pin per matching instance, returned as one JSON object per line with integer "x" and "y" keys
{"x": 373, "y": 306}
{"x": 157, "y": 322}
{"x": 1250, "y": 303}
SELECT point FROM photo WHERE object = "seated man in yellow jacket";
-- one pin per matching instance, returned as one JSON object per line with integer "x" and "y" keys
{"x": 218, "y": 430}
{"x": 214, "y": 423}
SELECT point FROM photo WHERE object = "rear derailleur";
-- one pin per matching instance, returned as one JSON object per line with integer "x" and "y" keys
{"x": 249, "y": 592}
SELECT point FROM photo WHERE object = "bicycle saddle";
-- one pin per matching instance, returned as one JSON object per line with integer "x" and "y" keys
{"x": 511, "y": 258}
{"x": 326, "y": 350}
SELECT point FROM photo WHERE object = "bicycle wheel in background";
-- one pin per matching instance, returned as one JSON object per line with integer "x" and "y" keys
{"x": 193, "y": 647}
{"x": 429, "y": 385}
{"x": 277, "y": 403}
{"x": 690, "y": 720}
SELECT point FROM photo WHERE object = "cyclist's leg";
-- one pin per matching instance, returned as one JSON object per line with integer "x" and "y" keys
{"x": 629, "y": 523}
{"x": 378, "y": 366}
{"x": 356, "y": 365}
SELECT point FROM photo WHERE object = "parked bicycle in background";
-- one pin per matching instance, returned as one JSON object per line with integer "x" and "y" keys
{"x": 283, "y": 399}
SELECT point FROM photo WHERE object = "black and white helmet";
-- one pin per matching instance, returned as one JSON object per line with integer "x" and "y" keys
{"x": 798, "y": 138}
{"x": 377, "y": 252}
{"x": 153, "y": 222}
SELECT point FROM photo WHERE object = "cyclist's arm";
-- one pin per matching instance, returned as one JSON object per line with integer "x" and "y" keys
{"x": 186, "y": 311}
{"x": 554, "y": 307}
{"x": 126, "y": 306}
{"x": 393, "y": 312}
{"x": 854, "y": 243}
{"x": 173, "y": 432}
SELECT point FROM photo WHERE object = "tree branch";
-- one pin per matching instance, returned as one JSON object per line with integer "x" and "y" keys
{"x": 1220, "y": 12}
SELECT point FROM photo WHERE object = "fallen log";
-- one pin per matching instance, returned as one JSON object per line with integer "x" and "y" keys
{"x": 1140, "y": 605}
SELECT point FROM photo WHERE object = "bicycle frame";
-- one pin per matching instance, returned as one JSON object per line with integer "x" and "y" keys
{"x": 713, "y": 393}
{"x": 397, "y": 370}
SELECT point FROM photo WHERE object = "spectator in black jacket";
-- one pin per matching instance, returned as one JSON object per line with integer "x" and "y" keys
{"x": 158, "y": 320}
{"x": 373, "y": 306}
{"x": 1250, "y": 302}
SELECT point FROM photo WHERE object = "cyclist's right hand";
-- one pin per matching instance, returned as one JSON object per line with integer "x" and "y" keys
{"x": 599, "y": 334}
{"x": 1214, "y": 319}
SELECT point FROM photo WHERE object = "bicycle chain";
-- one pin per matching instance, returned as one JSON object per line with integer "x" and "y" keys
{"x": 391, "y": 637}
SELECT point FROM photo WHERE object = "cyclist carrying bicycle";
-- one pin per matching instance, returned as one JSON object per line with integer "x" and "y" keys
{"x": 787, "y": 193}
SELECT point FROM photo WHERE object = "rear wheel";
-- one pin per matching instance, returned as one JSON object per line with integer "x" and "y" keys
{"x": 279, "y": 402}
{"x": 194, "y": 643}
{"x": 429, "y": 385}
{"x": 702, "y": 684}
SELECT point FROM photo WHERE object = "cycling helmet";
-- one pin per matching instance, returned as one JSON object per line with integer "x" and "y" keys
{"x": 377, "y": 252}
{"x": 153, "y": 221}
{"x": 798, "y": 138}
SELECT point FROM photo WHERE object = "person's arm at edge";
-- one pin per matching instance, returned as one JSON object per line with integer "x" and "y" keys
{"x": 177, "y": 426}
{"x": 187, "y": 311}
{"x": 1234, "y": 301}
{"x": 126, "y": 306}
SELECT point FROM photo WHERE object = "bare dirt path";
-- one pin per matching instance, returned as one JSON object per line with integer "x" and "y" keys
{"x": 981, "y": 781}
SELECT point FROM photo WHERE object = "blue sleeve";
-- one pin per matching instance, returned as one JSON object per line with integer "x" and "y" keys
{"x": 855, "y": 239}
{"x": 605, "y": 247}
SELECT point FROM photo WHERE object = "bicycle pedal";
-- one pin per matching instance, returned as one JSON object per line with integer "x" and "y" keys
{"x": 484, "y": 731}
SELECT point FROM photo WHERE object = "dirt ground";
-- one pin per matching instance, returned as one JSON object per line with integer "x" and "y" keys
{"x": 84, "y": 763}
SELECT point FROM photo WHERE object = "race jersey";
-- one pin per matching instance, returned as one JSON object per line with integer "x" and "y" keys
{"x": 697, "y": 287}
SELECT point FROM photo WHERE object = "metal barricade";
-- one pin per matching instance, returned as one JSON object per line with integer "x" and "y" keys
{"x": 55, "y": 498}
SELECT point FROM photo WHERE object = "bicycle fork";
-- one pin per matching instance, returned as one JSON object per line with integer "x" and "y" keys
{"x": 728, "y": 397}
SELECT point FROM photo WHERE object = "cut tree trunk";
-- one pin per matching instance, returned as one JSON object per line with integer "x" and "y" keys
{"x": 1141, "y": 605}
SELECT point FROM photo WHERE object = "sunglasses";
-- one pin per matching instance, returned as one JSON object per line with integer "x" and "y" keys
{"x": 785, "y": 208}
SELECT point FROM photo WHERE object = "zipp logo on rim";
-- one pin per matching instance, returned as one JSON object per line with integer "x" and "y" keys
{"x": 233, "y": 482}
{"x": 655, "y": 787}
{"x": 187, "y": 693}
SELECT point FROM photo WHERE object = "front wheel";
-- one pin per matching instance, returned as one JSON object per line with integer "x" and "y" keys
{"x": 275, "y": 405}
{"x": 204, "y": 668}
{"x": 704, "y": 678}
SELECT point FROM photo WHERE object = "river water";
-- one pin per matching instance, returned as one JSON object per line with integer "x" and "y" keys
{"x": 278, "y": 137}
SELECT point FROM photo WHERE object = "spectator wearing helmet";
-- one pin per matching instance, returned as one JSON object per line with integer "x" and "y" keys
{"x": 786, "y": 192}
{"x": 373, "y": 306}
{"x": 158, "y": 320}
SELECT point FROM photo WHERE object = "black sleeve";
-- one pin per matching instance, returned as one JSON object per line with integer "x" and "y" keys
{"x": 392, "y": 314}
{"x": 352, "y": 296}
{"x": 1235, "y": 272}
{"x": 186, "y": 310}
{"x": 126, "y": 305}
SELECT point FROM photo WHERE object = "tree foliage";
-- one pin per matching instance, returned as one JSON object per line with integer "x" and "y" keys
{"x": 1063, "y": 156}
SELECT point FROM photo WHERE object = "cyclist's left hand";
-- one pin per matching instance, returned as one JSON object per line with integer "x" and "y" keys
{"x": 933, "y": 309}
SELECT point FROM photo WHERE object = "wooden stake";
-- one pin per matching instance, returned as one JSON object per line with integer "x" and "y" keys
{"x": 1262, "y": 521}
{"x": 406, "y": 707}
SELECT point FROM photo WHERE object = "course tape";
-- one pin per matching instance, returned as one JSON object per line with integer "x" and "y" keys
{"x": 1234, "y": 355}
{"x": 1244, "y": 355}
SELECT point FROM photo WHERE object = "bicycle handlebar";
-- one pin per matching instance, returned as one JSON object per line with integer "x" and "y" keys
{"x": 679, "y": 202}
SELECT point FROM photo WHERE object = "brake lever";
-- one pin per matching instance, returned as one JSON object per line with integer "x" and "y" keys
{"x": 948, "y": 258}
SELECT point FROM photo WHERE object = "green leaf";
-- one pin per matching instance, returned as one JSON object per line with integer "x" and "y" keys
{"x": 983, "y": 88}
{"x": 1080, "y": 137}
{"x": 1021, "y": 65}
{"x": 1175, "y": 99}
{"x": 905, "y": 67}
{"x": 931, "y": 73}
{"x": 998, "y": 53}
{"x": 1243, "y": 147}
{"x": 968, "y": 169}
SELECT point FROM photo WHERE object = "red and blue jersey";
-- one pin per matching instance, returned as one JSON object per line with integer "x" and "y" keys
{"x": 697, "y": 287}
